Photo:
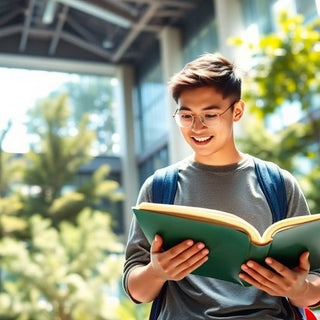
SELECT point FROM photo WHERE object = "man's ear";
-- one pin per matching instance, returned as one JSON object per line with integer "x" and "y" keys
{"x": 238, "y": 110}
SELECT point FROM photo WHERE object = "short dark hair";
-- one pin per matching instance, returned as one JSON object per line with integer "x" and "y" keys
{"x": 210, "y": 69}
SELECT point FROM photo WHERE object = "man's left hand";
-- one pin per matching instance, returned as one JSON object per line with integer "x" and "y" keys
{"x": 280, "y": 280}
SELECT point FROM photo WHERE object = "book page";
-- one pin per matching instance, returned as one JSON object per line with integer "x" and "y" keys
{"x": 205, "y": 215}
{"x": 287, "y": 223}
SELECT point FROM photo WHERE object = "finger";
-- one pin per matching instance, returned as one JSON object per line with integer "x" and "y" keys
{"x": 245, "y": 276}
{"x": 187, "y": 270}
{"x": 304, "y": 261}
{"x": 188, "y": 259}
{"x": 257, "y": 272}
{"x": 184, "y": 250}
{"x": 189, "y": 252}
{"x": 288, "y": 275}
{"x": 261, "y": 283}
{"x": 260, "y": 276}
{"x": 156, "y": 245}
{"x": 186, "y": 266}
{"x": 279, "y": 267}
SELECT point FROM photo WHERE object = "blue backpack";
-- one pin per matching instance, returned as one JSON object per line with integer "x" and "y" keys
{"x": 165, "y": 183}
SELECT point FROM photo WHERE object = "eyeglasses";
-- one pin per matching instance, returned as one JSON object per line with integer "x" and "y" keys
{"x": 186, "y": 119}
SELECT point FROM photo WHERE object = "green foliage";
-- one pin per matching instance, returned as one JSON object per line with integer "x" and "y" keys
{"x": 60, "y": 273}
{"x": 89, "y": 194}
{"x": 129, "y": 311}
{"x": 259, "y": 141}
{"x": 287, "y": 64}
{"x": 11, "y": 172}
{"x": 10, "y": 223}
{"x": 66, "y": 265}
{"x": 311, "y": 183}
{"x": 59, "y": 154}
{"x": 11, "y": 168}
{"x": 53, "y": 164}
{"x": 98, "y": 188}
{"x": 94, "y": 96}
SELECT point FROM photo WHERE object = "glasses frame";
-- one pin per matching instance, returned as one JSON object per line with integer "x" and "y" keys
{"x": 200, "y": 116}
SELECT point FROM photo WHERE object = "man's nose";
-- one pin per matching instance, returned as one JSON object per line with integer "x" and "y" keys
{"x": 197, "y": 123}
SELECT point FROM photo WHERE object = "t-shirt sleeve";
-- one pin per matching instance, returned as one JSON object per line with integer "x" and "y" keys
{"x": 297, "y": 204}
{"x": 137, "y": 250}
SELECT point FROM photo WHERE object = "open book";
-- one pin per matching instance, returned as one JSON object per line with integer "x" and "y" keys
{"x": 230, "y": 239}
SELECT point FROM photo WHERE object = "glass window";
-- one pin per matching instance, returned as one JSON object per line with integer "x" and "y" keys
{"x": 258, "y": 13}
{"x": 152, "y": 112}
{"x": 157, "y": 160}
{"x": 308, "y": 8}
{"x": 205, "y": 41}
{"x": 199, "y": 32}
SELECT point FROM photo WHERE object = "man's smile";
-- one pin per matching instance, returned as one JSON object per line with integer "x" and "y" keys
{"x": 202, "y": 140}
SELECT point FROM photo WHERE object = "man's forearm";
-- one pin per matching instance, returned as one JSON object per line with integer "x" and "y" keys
{"x": 143, "y": 284}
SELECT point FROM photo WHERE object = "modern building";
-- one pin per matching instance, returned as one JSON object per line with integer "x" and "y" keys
{"x": 145, "y": 43}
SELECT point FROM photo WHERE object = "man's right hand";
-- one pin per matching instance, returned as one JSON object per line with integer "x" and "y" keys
{"x": 179, "y": 261}
{"x": 145, "y": 282}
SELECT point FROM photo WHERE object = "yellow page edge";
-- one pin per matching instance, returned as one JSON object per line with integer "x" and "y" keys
{"x": 205, "y": 215}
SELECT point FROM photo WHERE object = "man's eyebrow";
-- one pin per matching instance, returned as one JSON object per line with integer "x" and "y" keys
{"x": 211, "y": 107}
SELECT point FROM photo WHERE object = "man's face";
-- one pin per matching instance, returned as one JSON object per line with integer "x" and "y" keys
{"x": 211, "y": 144}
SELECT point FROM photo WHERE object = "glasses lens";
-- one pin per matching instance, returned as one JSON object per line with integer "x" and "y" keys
{"x": 183, "y": 119}
{"x": 210, "y": 119}
{"x": 187, "y": 119}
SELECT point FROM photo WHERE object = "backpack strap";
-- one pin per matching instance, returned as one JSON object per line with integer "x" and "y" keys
{"x": 164, "y": 187}
{"x": 272, "y": 184}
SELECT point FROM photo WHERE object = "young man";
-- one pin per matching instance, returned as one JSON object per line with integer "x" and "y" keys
{"x": 217, "y": 176}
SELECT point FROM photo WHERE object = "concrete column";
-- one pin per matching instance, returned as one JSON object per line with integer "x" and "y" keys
{"x": 229, "y": 20}
{"x": 125, "y": 75}
{"x": 230, "y": 23}
{"x": 171, "y": 56}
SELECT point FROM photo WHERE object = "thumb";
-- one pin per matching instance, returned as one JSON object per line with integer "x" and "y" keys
{"x": 304, "y": 261}
{"x": 156, "y": 245}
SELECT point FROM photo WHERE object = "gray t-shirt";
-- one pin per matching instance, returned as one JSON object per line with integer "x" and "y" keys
{"x": 235, "y": 189}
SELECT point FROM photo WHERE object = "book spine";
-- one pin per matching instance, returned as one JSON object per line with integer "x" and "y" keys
{"x": 258, "y": 253}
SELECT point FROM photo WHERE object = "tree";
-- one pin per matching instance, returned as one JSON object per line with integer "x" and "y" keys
{"x": 93, "y": 95}
{"x": 53, "y": 162}
{"x": 284, "y": 76}
{"x": 64, "y": 266}
{"x": 11, "y": 170}
{"x": 129, "y": 311}
{"x": 61, "y": 274}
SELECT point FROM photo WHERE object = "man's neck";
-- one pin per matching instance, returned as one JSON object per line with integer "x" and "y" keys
{"x": 220, "y": 160}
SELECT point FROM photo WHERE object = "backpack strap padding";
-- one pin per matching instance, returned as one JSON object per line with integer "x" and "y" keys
{"x": 272, "y": 184}
{"x": 165, "y": 183}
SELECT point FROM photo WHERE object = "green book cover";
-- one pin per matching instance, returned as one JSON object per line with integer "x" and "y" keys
{"x": 230, "y": 239}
